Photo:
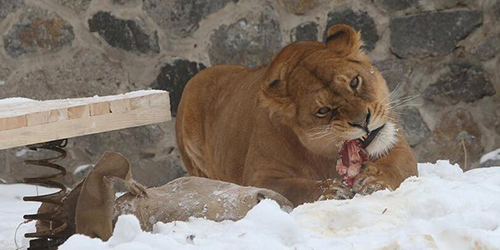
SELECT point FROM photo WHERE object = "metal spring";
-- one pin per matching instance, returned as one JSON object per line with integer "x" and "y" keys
{"x": 48, "y": 239}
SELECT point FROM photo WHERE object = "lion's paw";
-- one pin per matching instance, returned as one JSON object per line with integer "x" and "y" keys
{"x": 136, "y": 188}
{"x": 331, "y": 189}
{"x": 366, "y": 185}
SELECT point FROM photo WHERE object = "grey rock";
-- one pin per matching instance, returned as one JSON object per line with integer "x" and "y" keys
{"x": 9, "y": 6}
{"x": 305, "y": 32}
{"x": 395, "y": 72}
{"x": 247, "y": 42}
{"x": 360, "y": 21}
{"x": 496, "y": 10}
{"x": 431, "y": 33}
{"x": 4, "y": 74}
{"x": 78, "y": 6}
{"x": 488, "y": 49}
{"x": 129, "y": 3}
{"x": 122, "y": 2}
{"x": 414, "y": 128}
{"x": 182, "y": 17}
{"x": 298, "y": 7}
{"x": 497, "y": 120}
{"x": 447, "y": 4}
{"x": 81, "y": 171}
{"x": 4, "y": 171}
{"x": 129, "y": 35}
{"x": 151, "y": 150}
{"x": 396, "y": 5}
{"x": 83, "y": 74}
{"x": 14, "y": 171}
{"x": 174, "y": 76}
{"x": 457, "y": 137}
{"x": 488, "y": 111}
{"x": 38, "y": 32}
{"x": 489, "y": 163}
{"x": 465, "y": 82}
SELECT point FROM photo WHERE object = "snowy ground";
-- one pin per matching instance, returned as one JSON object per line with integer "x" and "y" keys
{"x": 12, "y": 209}
{"x": 441, "y": 209}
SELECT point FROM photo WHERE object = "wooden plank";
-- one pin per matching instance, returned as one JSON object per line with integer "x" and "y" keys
{"x": 78, "y": 127}
{"x": 58, "y": 115}
{"x": 43, "y": 117}
{"x": 79, "y": 112}
{"x": 139, "y": 102}
{"x": 11, "y": 107}
{"x": 70, "y": 118}
{"x": 100, "y": 108}
{"x": 37, "y": 118}
{"x": 120, "y": 106}
{"x": 13, "y": 122}
{"x": 158, "y": 100}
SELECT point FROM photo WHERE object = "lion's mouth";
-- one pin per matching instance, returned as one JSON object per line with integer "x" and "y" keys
{"x": 353, "y": 155}
{"x": 365, "y": 142}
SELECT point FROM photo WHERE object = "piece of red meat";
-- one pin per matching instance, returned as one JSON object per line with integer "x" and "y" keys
{"x": 352, "y": 156}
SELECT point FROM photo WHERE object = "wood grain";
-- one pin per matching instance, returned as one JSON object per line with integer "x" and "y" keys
{"x": 78, "y": 117}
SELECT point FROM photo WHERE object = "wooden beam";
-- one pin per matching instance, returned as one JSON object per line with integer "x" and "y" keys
{"x": 30, "y": 122}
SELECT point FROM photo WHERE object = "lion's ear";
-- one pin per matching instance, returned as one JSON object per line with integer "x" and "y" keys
{"x": 274, "y": 82}
{"x": 275, "y": 88}
{"x": 343, "y": 38}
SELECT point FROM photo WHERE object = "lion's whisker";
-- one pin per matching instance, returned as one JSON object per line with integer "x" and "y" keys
{"x": 318, "y": 136}
{"x": 406, "y": 105}
{"x": 323, "y": 127}
{"x": 392, "y": 92}
{"x": 403, "y": 100}
{"x": 391, "y": 118}
{"x": 334, "y": 139}
{"x": 322, "y": 132}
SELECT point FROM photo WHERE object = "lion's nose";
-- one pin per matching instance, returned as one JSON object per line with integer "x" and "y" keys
{"x": 362, "y": 121}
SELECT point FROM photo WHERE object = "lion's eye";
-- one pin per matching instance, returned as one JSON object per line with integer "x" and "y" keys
{"x": 322, "y": 112}
{"x": 355, "y": 82}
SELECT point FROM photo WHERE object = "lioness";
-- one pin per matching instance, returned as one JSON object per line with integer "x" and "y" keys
{"x": 317, "y": 111}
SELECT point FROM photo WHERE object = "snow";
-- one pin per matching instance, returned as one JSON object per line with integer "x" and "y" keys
{"x": 14, "y": 100}
{"x": 441, "y": 168}
{"x": 493, "y": 156}
{"x": 442, "y": 208}
{"x": 22, "y": 152}
{"x": 12, "y": 209}
{"x": 82, "y": 168}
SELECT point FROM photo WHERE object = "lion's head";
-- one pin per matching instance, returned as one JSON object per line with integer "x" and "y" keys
{"x": 330, "y": 93}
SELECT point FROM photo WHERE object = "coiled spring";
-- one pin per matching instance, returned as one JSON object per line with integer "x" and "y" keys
{"x": 51, "y": 238}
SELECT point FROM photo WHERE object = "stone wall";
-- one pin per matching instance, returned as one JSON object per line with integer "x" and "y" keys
{"x": 444, "y": 54}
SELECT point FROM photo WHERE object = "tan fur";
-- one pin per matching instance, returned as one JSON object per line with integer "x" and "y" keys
{"x": 91, "y": 209}
{"x": 258, "y": 126}
{"x": 95, "y": 208}
{"x": 188, "y": 197}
